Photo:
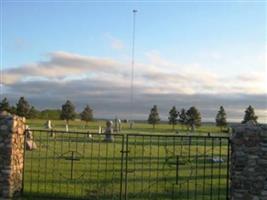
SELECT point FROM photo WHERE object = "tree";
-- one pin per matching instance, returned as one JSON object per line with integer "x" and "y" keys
{"x": 49, "y": 114}
{"x": 221, "y": 118}
{"x": 33, "y": 113}
{"x": 87, "y": 114}
{"x": 67, "y": 112}
{"x": 4, "y": 105}
{"x": 13, "y": 110}
{"x": 23, "y": 107}
{"x": 250, "y": 115}
{"x": 173, "y": 115}
{"x": 182, "y": 117}
{"x": 193, "y": 118}
{"x": 153, "y": 117}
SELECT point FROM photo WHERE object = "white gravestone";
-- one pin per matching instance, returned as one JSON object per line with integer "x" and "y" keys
{"x": 109, "y": 132}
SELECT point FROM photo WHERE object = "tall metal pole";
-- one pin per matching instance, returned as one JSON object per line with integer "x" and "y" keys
{"x": 132, "y": 72}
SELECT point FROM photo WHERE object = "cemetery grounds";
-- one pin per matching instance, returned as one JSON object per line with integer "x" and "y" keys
{"x": 141, "y": 163}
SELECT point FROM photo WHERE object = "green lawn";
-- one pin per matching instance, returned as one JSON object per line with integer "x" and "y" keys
{"x": 158, "y": 166}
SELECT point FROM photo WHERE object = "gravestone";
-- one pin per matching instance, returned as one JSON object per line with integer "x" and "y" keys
{"x": 109, "y": 132}
{"x": 30, "y": 144}
{"x": 119, "y": 123}
{"x": 48, "y": 124}
{"x": 67, "y": 127}
{"x": 117, "y": 127}
{"x": 99, "y": 129}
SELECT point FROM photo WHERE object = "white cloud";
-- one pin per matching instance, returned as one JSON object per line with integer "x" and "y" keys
{"x": 106, "y": 82}
{"x": 150, "y": 77}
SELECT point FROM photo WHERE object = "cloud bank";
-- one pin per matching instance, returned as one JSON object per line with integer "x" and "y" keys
{"x": 104, "y": 83}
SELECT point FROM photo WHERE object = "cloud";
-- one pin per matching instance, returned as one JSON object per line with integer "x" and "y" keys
{"x": 105, "y": 84}
{"x": 61, "y": 65}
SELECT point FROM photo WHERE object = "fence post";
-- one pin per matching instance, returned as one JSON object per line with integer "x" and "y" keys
{"x": 11, "y": 155}
{"x": 249, "y": 162}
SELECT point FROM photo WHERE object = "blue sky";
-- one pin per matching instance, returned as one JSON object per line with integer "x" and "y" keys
{"x": 214, "y": 43}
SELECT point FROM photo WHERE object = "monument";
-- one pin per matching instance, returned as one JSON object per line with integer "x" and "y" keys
{"x": 109, "y": 132}
{"x": 48, "y": 124}
{"x": 117, "y": 127}
{"x": 30, "y": 144}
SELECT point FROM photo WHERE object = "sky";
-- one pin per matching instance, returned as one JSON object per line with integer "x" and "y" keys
{"x": 187, "y": 53}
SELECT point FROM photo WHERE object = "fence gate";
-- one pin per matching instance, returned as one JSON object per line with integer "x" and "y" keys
{"x": 176, "y": 167}
{"x": 73, "y": 165}
{"x": 79, "y": 165}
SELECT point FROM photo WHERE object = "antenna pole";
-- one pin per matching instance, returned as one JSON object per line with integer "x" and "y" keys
{"x": 132, "y": 70}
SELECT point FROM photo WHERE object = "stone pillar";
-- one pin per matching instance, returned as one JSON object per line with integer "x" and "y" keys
{"x": 11, "y": 155}
{"x": 249, "y": 163}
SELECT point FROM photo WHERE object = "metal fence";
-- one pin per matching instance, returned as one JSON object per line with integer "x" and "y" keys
{"x": 79, "y": 165}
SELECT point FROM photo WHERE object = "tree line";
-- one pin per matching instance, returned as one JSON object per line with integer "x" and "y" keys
{"x": 67, "y": 112}
{"x": 190, "y": 118}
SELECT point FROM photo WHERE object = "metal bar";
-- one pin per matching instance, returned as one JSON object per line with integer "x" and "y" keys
{"x": 228, "y": 163}
{"x": 220, "y": 166}
{"x": 204, "y": 168}
{"x": 211, "y": 178}
{"x": 189, "y": 156}
{"x": 134, "y": 183}
{"x": 177, "y": 169}
{"x": 122, "y": 158}
{"x": 126, "y": 168}
{"x": 106, "y": 166}
{"x": 196, "y": 176}
{"x": 178, "y": 136}
{"x": 54, "y": 165}
{"x": 71, "y": 168}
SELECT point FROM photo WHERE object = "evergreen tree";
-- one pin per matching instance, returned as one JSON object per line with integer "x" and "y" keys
{"x": 193, "y": 118}
{"x": 182, "y": 117}
{"x": 249, "y": 115}
{"x": 173, "y": 115}
{"x": 153, "y": 117}
{"x": 221, "y": 118}
{"x": 4, "y": 105}
{"x": 67, "y": 112}
{"x": 13, "y": 110}
{"x": 33, "y": 113}
{"x": 23, "y": 107}
{"x": 87, "y": 114}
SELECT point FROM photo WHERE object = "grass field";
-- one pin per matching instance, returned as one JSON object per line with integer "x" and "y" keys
{"x": 141, "y": 163}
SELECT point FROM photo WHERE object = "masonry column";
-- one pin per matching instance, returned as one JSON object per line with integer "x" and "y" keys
{"x": 249, "y": 163}
{"x": 11, "y": 155}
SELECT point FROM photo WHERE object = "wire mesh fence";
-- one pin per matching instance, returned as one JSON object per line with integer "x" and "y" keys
{"x": 80, "y": 165}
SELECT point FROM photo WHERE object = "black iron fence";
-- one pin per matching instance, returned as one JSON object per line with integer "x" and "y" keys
{"x": 80, "y": 165}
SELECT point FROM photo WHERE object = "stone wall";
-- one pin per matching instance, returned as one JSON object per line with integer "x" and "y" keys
{"x": 249, "y": 163}
{"x": 11, "y": 154}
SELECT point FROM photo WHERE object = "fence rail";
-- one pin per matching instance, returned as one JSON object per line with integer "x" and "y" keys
{"x": 83, "y": 165}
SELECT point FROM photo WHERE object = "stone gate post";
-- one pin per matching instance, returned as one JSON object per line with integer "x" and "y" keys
{"x": 249, "y": 162}
{"x": 11, "y": 155}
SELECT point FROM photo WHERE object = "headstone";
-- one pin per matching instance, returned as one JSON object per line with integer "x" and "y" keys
{"x": 216, "y": 160}
{"x": 117, "y": 127}
{"x": 67, "y": 127}
{"x": 109, "y": 132}
{"x": 89, "y": 135}
{"x": 48, "y": 124}
{"x": 99, "y": 129}
{"x": 119, "y": 122}
{"x": 131, "y": 124}
{"x": 30, "y": 144}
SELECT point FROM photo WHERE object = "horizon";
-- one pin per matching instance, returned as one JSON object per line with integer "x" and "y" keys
{"x": 203, "y": 54}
